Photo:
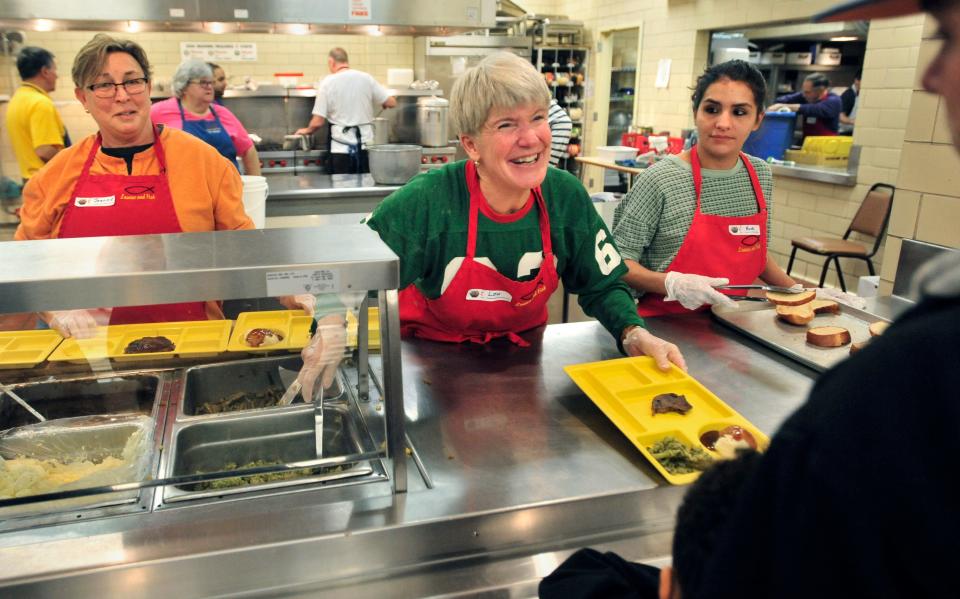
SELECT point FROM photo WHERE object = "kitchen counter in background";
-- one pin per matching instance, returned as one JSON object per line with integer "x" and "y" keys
{"x": 838, "y": 176}
{"x": 317, "y": 193}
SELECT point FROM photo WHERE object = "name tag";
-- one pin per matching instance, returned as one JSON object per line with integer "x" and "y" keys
{"x": 744, "y": 230}
{"x": 488, "y": 295}
{"x": 93, "y": 202}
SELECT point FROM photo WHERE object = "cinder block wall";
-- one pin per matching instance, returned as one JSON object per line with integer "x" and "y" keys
{"x": 927, "y": 204}
{"x": 679, "y": 30}
{"x": 275, "y": 53}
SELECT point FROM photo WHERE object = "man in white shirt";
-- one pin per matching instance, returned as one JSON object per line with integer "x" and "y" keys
{"x": 347, "y": 100}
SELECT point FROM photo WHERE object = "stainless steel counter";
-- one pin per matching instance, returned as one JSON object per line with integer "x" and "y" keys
{"x": 316, "y": 193}
{"x": 838, "y": 176}
{"x": 524, "y": 467}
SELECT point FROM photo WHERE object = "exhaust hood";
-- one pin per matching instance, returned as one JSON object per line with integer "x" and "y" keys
{"x": 371, "y": 17}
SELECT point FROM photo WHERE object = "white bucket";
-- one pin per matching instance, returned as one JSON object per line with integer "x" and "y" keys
{"x": 255, "y": 193}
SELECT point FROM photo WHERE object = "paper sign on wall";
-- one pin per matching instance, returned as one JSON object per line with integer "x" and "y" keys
{"x": 219, "y": 51}
{"x": 663, "y": 73}
{"x": 359, "y": 10}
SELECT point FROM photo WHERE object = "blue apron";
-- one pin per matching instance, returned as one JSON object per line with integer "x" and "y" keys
{"x": 212, "y": 132}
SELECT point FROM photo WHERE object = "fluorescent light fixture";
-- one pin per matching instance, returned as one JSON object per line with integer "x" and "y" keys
{"x": 215, "y": 27}
{"x": 844, "y": 38}
{"x": 298, "y": 29}
{"x": 374, "y": 30}
{"x": 133, "y": 26}
{"x": 43, "y": 25}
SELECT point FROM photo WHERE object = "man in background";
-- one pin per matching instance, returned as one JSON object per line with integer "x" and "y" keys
{"x": 33, "y": 123}
{"x": 219, "y": 82}
{"x": 347, "y": 100}
{"x": 819, "y": 109}
{"x": 850, "y": 100}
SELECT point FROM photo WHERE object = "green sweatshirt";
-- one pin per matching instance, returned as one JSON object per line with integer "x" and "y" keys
{"x": 425, "y": 224}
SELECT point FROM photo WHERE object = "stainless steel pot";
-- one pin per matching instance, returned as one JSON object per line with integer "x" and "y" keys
{"x": 432, "y": 121}
{"x": 381, "y": 131}
{"x": 394, "y": 164}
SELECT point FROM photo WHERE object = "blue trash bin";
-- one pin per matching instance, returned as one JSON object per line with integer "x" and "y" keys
{"x": 774, "y": 136}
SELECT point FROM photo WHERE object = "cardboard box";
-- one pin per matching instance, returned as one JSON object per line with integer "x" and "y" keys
{"x": 773, "y": 58}
{"x": 799, "y": 58}
{"x": 829, "y": 57}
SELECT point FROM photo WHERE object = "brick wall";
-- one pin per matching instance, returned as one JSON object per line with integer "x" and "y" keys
{"x": 927, "y": 204}
{"x": 679, "y": 30}
{"x": 275, "y": 53}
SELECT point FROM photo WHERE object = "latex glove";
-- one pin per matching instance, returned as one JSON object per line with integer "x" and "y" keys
{"x": 301, "y": 301}
{"x": 842, "y": 297}
{"x": 71, "y": 323}
{"x": 641, "y": 342}
{"x": 693, "y": 291}
{"x": 322, "y": 356}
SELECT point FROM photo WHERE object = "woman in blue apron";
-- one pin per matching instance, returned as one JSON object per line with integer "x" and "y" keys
{"x": 192, "y": 111}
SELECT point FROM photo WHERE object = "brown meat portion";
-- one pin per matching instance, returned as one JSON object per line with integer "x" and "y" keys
{"x": 256, "y": 337}
{"x": 670, "y": 402}
{"x": 149, "y": 345}
{"x": 243, "y": 401}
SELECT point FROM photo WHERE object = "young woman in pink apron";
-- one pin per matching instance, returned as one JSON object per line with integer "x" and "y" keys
{"x": 716, "y": 249}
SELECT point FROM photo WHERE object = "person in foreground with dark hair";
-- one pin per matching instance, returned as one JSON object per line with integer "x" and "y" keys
{"x": 701, "y": 218}
{"x": 857, "y": 495}
{"x": 705, "y": 508}
{"x": 34, "y": 125}
{"x": 815, "y": 104}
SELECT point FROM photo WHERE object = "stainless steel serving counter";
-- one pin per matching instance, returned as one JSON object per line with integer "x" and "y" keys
{"x": 316, "y": 193}
{"x": 524, "y": 470}
{"x": 820, "y": 174}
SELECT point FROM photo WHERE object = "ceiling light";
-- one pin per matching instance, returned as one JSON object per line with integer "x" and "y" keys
{"x": 374, "y": 30}
{"x": 216, "y": 27}
{"x": 43, "y": 25}
{"x": 844, "y": 38}
{"x": 133, "y": 26}
{"x": 298, "y": 29}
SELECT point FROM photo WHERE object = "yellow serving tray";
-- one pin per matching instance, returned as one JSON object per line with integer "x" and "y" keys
{"x": 294, "y": 325}
{"x": 373, "y": 326}
{"x": 191, "y": 339}
{"x": 624, "y": 390}
{"x": 24, "y": 349}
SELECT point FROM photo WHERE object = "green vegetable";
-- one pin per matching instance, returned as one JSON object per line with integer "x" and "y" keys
{"x": 677, "y": 458}
{"x": 260, "y": 479}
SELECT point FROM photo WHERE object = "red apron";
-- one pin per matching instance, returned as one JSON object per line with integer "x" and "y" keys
{"x": 481, "y": 304}
{"x": 817, "y": 127}
{"x": 734, "y": 247}
{"x": 111, "y": 205}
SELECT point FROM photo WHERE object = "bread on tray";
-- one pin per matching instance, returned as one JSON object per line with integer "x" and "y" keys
{"x": 824, "y": 306}
{"x": 791, "y": 299}
{"x": 795, "y": 315}
{"x": 877, "y": 328}
{"x": 829, "y": 336}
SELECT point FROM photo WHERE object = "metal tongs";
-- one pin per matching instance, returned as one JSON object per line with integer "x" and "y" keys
{"x": 773, "y": 288}
{"x": 21, "y": 401}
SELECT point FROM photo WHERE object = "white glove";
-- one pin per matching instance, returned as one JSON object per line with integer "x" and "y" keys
{"x": 640, "y": 342}
{"x": 842, "y": 297}
{"x": 693, "y": 291}
{"x": 322, "y": 356}
{"x": 71, "y": 323}
{"x": 302, "y": 301}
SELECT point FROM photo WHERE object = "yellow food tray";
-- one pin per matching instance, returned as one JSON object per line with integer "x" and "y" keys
{"x": 192, "y": 339}
{"x": 23, "y": 349}
{"x": 294, "y": 325}
{"x": 624, "y": 390}
{"x": 373, "y": 326}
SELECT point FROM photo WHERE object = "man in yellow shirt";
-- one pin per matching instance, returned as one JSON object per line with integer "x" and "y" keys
{"x": 33, "y": 123}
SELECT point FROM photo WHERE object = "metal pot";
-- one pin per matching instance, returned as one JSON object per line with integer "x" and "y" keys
{"x": 432, "y": 121}
{"x": 394, "y": 164}
{"x": 381, "y": 131}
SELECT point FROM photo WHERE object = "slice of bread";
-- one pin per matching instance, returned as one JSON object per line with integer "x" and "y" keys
{"x": 824, "y": 306}
{"x": 828, "y": 336}
{"x": 855, "y": 347}
{"x": 796, "y": 315}
{"x": 877, "y": 328}
{"x": 791, "y": 299}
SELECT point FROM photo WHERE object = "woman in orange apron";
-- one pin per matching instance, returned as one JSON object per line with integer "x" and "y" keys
{"x": 682, "y": 233}
{"x": 129, "y": 179}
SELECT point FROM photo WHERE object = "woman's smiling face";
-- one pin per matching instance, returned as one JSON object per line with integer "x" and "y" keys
{"x": 513, "y": 147}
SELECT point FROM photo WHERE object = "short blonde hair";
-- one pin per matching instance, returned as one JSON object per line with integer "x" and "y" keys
{"x": 501, "y": 80}
{"x": 93, "y": 55}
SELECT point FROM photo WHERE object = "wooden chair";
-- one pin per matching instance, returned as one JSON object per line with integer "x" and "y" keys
{"x": 871, "y": 219}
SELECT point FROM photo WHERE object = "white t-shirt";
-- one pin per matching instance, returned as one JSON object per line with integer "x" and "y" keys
{"x": 348, "y": 98}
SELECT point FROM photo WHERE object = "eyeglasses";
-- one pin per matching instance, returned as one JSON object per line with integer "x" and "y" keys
{"x": 203, "y": 82}
{"x": 107, "y": 89}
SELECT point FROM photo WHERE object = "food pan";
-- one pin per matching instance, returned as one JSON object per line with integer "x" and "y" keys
{"x": 206, "y": 385}
{"x": 54, "y": 457}
{"x": 82, "y": 397}
{"x": 278, "y": 436}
